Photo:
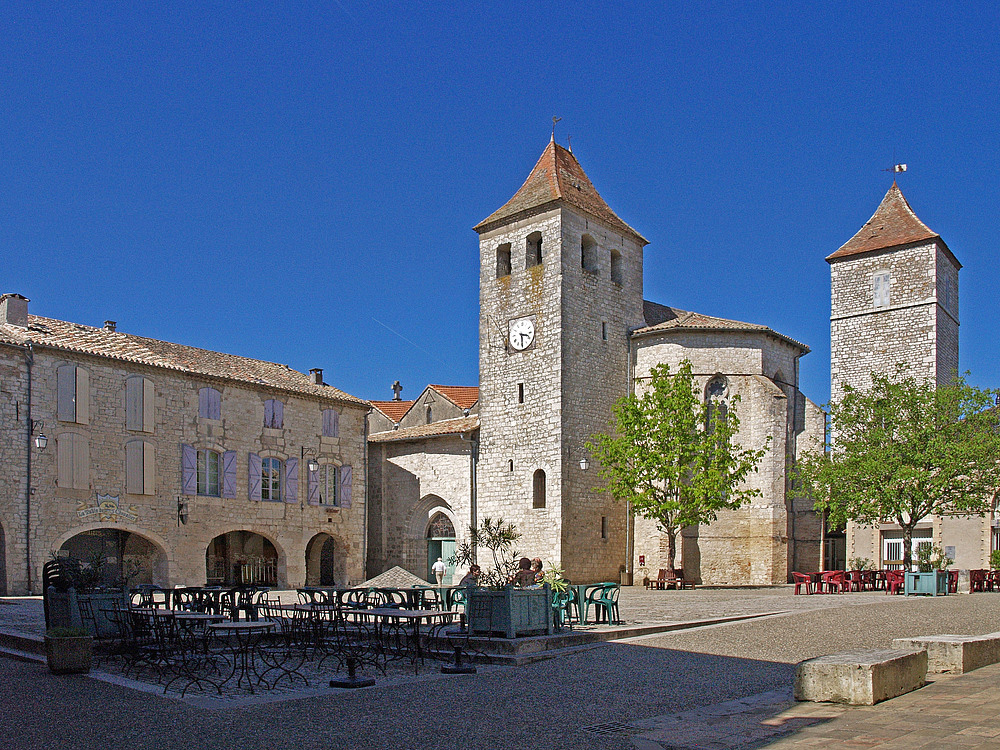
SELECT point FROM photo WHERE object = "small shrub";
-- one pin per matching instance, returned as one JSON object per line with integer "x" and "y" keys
{"x": 995, "y": 560}
{"x": 65, "y": 631}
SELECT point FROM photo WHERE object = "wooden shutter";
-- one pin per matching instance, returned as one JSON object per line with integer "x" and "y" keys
{"x": 189, "y": 470}
{"x": 210, "y": 404}
{"x": 253, "y": 463}
{"x": 269, "y": 413}
{"x": 291, "y": 480}
{"x": 229, "y": 474}
{"x": 148, "y": 469}
{"x": 331, "y": 423}
{"x": 345, "y": 486}
{"x": 133, "y": 468}
{"x": 279, "y": 415}
{"x": 66, "y": 393}
{"x": 148, "y": 405}
{"x": 82, "y": 396}
{"x": 133, "y": 403}
{"x": 312, "y": 490}
{"x": 81, "y": 462}
{"x": 203, "y": 403}
{"x": 64, "y": 459}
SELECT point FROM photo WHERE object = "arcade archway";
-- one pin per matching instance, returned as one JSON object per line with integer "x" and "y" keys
{"x": 326, "y": 563}
{"x": 239, "y": 558}
{"x": 117, "y": 556}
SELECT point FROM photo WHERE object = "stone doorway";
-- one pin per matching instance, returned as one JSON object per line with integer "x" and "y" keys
{"x": 241, "y": 558}
{"x": 325, "y": 563}
{"x": 440, "y": 543}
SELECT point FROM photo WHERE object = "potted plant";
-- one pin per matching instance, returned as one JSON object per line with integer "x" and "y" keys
{"x": 68, "y": 650}
{"x": 496, "y": 606}
{"x": 931, "y": 576}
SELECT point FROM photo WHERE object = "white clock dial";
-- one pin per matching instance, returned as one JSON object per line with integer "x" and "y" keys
{"x": 522, "y": 333}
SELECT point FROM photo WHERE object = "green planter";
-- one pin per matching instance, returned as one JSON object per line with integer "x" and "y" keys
{"x": 510, "y": 612}
{"x": 934, "y": 583}
{"x": 69, "y": 655}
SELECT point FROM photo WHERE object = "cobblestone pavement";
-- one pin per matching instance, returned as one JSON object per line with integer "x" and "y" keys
{"x": 723, "y": 686}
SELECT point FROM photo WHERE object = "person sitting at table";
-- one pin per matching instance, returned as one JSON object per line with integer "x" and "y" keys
{"x": 525, "y": 576}
{"x": 472, "y": 577}
{"x": 536, "y": 568}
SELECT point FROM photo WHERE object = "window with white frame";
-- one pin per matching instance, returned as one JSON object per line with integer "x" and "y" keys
{"x": 881, "y": 282}
{"x": 270, "y": 479}
{"x": 209, "y": 470}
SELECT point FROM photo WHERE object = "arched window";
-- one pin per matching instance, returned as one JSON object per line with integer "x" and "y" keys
{"x": 503, "y": 260}
{"x": 538, "y": 489}
{"x": 616, "y": 266}
{"x": 430, "y": 414}
{"x": 588, "y": 254}
{"x": 715, "y": 396}
{"x": 533, "y": 249}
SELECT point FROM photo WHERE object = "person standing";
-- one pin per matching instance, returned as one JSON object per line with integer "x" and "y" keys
{"x": 438, "y": 569}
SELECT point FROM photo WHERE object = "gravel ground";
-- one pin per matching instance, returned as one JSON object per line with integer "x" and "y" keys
{"x": 541, "y": 705}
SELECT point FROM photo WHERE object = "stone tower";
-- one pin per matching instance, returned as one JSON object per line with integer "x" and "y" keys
{"x": 560, "y": 289}
{"x": 894, "y": 291}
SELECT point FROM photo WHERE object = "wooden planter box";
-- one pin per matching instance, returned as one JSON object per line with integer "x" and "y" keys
{"x": 511, "y": 612}
{"x": 69, "y": 655}
{"x": 934, "y": 583}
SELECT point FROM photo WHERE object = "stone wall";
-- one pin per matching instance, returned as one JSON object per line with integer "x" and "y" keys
{"x": 58, "y": 512}
{"x": 410, "y": 481}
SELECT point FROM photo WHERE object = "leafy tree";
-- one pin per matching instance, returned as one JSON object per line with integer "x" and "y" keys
{"x": 673, "y": 456}
{"x": 500, "y": 538}
{"x": 907, "y": 449}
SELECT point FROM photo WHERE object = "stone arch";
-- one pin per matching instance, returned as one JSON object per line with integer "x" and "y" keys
{"x": 533, "y": 249}
{"x": 139, "y": 555}
{"x": 538, "y": 489}
{"x": 422, "y": 550}
{"x": 244, "y": 556}
{"x": 326, "y": 561}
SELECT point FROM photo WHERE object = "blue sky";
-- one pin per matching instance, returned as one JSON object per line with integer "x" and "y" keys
{"x": 298, "y": 182}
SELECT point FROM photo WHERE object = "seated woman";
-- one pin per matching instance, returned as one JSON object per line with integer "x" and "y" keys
{"x": 525, "y": 576}
{"x": 536, "y": 568}
{"x": 472, "y": 577}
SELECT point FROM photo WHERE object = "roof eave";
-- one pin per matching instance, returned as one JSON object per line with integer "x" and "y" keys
{"x": 653, "y": 330}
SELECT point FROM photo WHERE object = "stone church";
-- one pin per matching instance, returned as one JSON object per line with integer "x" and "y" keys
{"x": 564, "y": 331}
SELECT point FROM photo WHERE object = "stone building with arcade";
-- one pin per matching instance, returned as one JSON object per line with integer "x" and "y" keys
{"x": 174, "y": 465}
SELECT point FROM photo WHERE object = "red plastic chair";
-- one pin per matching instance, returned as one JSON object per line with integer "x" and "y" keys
{"x": 802, "y": 579}
{"x": 893, "y": 581}
{"x": 833, "y": 582}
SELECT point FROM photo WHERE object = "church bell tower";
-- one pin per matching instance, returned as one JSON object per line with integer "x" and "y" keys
{"x": 560, "y": 290}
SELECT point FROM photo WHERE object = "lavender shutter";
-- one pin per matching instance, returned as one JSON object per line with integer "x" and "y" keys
{"x": 229, "y": 474}
{"x": 312, "y": 487}
{"x": 279, "y": 414}
{"x": 203, "y": 403}
{"x": 253, "y": 461}
{"x": 269, "y": 413}
{"x": 189, "y": 470}
{"x": 214, "y": 404}
{"x": 331, "y": 423}
{"x": 292, "y": 480}
{"x": 345, "y": 486}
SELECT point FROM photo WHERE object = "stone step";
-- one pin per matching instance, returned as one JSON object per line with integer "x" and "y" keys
{"x": 955, "y": 653}
{"x": 861, "y": 678}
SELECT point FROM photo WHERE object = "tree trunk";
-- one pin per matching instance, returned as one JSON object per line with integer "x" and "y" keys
{"x": 671, "y": 546}
{"x": 907, "y": 546}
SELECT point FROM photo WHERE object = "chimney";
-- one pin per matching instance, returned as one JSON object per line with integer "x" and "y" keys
{"x": 316, "y": 376}
{"x": 110, "y": 325}
{"x": 14, "y": 310}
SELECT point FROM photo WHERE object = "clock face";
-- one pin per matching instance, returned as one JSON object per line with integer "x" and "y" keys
{"x": 522, "y": 333}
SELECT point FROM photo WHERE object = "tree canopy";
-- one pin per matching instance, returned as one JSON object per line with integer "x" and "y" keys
{"x": 905, "y": 450}
{"x": 673, "y": 456}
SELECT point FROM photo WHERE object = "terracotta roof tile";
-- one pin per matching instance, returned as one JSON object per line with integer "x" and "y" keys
{"x": 892, "y": 224}
{"x": 463, "y": 396}
{"x": 125, "y": 347}
{"x": 557, "y": 177}
{"x": 669, "y": 319}
{"x": 434, "y": 429}
{"x": 394, "y": 410}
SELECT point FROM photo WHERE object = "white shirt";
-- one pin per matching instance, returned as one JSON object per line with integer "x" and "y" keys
{"x": 439, "y": 567}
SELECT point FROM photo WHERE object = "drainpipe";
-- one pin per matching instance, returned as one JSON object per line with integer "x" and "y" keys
{"x": 629, "y": 524}
{"x": 364, "y": 527}
{"x": 29, "y": 359}
{"x": 473, "y": 471}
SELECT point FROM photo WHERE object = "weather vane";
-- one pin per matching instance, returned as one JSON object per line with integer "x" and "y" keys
{"x": 554, "y": 121}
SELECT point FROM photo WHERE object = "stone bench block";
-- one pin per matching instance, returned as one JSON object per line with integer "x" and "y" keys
{"x": 955, "y": 653}
{"x": 861, "y": 678}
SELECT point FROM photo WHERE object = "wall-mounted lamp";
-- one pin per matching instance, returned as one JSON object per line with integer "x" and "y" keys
{"x": 182, "y": 511}
{"x": 584, "y": 463}
{"x": 313, "y": 464}
{"x": 40, "y": 440}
